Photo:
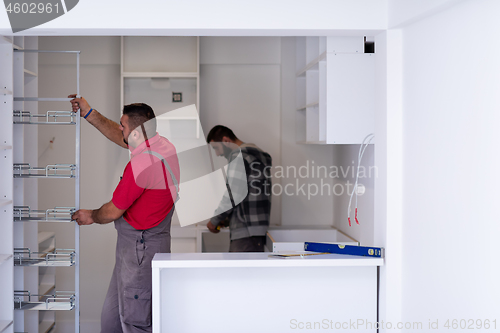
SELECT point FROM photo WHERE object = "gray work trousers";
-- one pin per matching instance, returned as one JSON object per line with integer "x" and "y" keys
{"x": 127, "y": 307}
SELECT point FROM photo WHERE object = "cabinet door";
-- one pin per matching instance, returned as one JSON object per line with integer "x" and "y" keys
{"x": 350, "y": 97}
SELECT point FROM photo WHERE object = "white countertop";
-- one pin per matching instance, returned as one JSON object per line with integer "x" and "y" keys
{"x": 197, "y": 260}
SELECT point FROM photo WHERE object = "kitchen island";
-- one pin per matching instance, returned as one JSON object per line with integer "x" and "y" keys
{"x": 252, "y": 292}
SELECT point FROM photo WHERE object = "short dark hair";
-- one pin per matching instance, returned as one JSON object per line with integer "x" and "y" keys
{"x": 141, "y": 113}
{"x": 218, "y": 132}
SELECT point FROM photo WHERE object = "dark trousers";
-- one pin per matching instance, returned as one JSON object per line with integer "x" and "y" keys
{"x": 127, "y": 307}
{"x": 248, "y": 244}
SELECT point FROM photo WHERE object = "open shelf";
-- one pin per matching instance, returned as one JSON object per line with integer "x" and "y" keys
{"x": 30, "y": 73}
{"x": 313, "y": 65}
{"x": 41, "y": 99}
{"x": 57, "y": 257}
{"x": 58, "y": 301}
{"x": 25, "y": 170}
{"x": 51, "y": 117}
{"x": 57, "y": 214}
{"x": 160, "y": 74}
{"x": 307, "y": 106}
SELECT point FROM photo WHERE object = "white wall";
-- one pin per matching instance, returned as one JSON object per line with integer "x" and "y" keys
{"x": 100, "y": 84}
{"x": 451, "y": 125}
{"x": 345, "y": 157}
{"x": 388, "y": 196}
{"x": 401, "y": 12}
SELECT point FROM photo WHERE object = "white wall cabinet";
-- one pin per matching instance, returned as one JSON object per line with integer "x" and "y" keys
{"x": 335, "y": 90}
{"x": 330, "y": 286}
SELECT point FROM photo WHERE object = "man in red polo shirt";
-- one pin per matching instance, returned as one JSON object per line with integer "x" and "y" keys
{"x": 141, "y": 208}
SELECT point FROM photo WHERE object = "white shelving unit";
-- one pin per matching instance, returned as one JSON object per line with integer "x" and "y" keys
{"x": 30, "y": 285}
{"x": 335, "y": 90}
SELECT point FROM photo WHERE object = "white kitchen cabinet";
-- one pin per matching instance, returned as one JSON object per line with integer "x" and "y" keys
{"x": 335, "y": 90}
{"x": 278, "y": 293}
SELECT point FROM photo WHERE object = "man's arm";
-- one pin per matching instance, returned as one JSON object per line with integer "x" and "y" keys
{"x": 109, "y": 128}
{"x": 237, "y": 189}
{"x": 107, "y": 213}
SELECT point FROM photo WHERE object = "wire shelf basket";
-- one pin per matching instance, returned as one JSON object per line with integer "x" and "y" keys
{"x": 50, "y": 117}
{"x": 25, "y": 170}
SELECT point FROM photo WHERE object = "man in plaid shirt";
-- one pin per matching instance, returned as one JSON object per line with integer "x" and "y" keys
{"x": 248, "y": 220}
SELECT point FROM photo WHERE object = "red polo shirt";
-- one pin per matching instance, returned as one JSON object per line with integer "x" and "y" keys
{"x": 142, "y": 191}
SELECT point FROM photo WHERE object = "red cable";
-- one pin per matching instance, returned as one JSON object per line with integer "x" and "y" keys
{"x": 349, "y": 219}
{"x": 356, "y": 216}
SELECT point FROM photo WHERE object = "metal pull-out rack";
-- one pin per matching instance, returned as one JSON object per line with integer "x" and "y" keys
{"x": 58, "y": 257}
{"x": 57, "y": 214}
{"x": 58, "y": 301}
{"x": 25, "y": 170}
{"x": 51, "y": 118}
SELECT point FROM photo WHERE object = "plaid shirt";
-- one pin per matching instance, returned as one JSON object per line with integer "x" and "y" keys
{"x": 247, "y": 203}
